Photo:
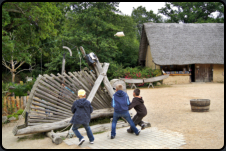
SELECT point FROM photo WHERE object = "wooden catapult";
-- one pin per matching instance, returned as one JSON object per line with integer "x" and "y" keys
{"x": 49, "y": 104}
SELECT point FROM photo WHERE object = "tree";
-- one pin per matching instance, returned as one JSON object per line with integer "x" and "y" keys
{"x": 140, "y": 15}
{"x": 24, "y": 27}
{"x": 193, "y": 12}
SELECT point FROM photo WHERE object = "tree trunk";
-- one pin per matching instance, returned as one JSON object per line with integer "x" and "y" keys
{"x": 61, "y": 124}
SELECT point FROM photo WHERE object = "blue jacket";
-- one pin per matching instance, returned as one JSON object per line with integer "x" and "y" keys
{"x": 120, "y": 102}
{"x": 81, "y": 109}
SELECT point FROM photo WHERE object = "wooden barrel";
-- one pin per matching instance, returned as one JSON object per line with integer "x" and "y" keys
{"x": 114, "y": 82}
{"x": 200, "y": 105}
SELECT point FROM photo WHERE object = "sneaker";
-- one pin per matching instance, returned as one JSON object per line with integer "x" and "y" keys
{"x": 91, "y": 142}
{"x": 112, "y": 137}
{"x": 138, "y": 132}
{"x": 129, "y": 131}
{"x": 81, "y": 141}
{"x": 142, "y": 126}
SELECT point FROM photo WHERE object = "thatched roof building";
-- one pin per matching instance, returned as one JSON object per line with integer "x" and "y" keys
{"x": 180, "y": 44}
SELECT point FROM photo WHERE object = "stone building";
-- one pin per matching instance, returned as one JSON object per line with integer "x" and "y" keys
{"x": 188, "y": 52}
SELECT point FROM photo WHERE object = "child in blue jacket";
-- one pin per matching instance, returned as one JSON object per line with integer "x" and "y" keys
{"x": 82, "y": 109}
{"x": 120, "y": 103}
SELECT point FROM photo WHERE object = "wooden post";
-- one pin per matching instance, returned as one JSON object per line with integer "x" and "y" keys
{"x": 21, "y": 102}
{"x": 54, "y": 137}
{"x": 106, "y": 81}
{"x": 17, "y": 102}
{"x": 5, "y": 105}
{"x": 97, "y": 83}
{"x": 13, "y": 103}
{"x": 8, "y": 104}
{"x": 24, "y": 101}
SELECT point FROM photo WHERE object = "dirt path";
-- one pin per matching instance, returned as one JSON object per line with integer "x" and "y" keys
{"x": 168, "y": 109}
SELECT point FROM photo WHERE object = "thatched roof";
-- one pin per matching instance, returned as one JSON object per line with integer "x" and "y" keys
{"x": 178, "y": 44}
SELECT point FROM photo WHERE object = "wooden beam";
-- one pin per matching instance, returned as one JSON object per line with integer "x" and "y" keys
{"x": 98, "y": 82}
{"x": 45, "y": 127}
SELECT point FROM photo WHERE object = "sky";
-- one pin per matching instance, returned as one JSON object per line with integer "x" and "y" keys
{"x": 127, "y": 7}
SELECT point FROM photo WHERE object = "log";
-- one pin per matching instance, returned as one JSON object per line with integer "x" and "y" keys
{"x": 45, "y": 127}
{"x": 99, "y": 91}
{"x": 97, "y": 83}
{"x": 54, "y": 137}
{"x": 94, "y": 128}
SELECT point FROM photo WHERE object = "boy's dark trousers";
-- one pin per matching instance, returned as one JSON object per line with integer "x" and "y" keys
{"x": 137, "y": 120}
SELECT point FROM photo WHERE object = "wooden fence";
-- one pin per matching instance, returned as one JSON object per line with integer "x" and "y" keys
{"x": 12, "y": 104}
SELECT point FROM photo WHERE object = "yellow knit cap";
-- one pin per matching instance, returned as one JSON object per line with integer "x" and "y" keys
{"x": 81, "y": 92}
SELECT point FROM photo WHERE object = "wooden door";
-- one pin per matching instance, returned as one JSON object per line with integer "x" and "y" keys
{"x": 203, "y": 73}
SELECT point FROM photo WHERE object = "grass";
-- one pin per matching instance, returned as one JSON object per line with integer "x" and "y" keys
{"x": 32, "y": 137}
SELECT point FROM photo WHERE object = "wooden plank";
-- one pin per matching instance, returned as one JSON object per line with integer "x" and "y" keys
{"x": 51, "y": 108}
{"x": 5, "y": 105}
{"x": 73, "y": 95}
{"x": 58, "y": 101}
{"x": 47, "y": 115}
{"x": 32, "y": 124}
{"x": 55, "y": 84}
{"x": 154, "y": 79}
{"x": 106, "y": 81}
{"x": 132, "y": 80}
{"x": 43, "y": 117}
{"x": 41, "y": 109}
{"x": 52, "y": 101}
{"x": 43, "y": 121}
{"x": 13, "y": 103}
{"x": 30, "y": 97}
{"x": 9, "y": 103}
{"x": 84, "y": 87}
{"x": 52, "y": 105}
{"x": 24, "y": 101}
{"x": 178, "y": 74}
{"x": 98, "y": 82}
{"x": 17, "y": 102}
{"x": 67, "y": 83}
{"x": 21, "y": 102}
{"x": 97, "y": 93}
{"x": 54, "y": 94}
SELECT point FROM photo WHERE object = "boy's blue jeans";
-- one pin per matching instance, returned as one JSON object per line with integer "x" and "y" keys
{"x": 126, "y": 115}
{"x": 88, "y": 131}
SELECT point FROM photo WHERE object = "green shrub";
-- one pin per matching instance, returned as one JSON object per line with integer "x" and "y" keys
{"x": 20, "y": 111}
{"x": 8, "y": 116}
{"x": 16, "y": 116}
{"x": 21, "y": 90}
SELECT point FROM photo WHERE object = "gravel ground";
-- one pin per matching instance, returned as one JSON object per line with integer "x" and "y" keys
{"x": 168, "y": 109}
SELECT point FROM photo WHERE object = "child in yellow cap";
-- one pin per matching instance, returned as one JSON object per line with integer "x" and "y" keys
{"x": 82, "y": 109}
